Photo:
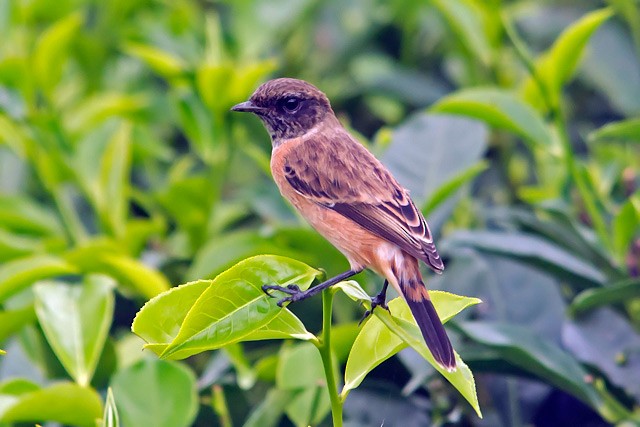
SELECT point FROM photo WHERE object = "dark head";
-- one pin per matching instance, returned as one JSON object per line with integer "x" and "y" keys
{"x": 287, "y": 107}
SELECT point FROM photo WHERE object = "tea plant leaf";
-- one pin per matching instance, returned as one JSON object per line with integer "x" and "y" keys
{"x": 75, "y": 320}
{"x": 625, "y": 131}
{"x": 20, "y": 273}
{"x": 163, "y": 63}
{"x": 142, "y": 391}
{"x": 52, "y": 49}
{"x": 110, "y": 418}
{"x": 499, "y": 108}
{"x": 558, "y": 64}
{"x": 205, "y": 315}
{"x": 614, "y": 293}
{"x": 12, "y": 321}
{"x": 532, "y": 250}
{"x": 387, "y": 333}
{"x": 63, "y": 402}
{"x": 519, "y": 346}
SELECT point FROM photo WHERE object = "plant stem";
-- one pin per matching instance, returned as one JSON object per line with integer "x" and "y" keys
{"x": 324, "y": 346}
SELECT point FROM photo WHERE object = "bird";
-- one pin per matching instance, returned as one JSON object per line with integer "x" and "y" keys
{"x": 351, "y": 199}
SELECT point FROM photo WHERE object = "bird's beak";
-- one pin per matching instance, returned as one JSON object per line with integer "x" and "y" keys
{"x": 247, "y": 107}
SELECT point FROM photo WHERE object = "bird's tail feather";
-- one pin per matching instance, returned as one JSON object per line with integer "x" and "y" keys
{"x": 429, "y": 323}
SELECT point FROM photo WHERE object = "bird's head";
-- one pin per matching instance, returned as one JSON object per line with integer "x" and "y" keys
{"x": 289, "y": 108}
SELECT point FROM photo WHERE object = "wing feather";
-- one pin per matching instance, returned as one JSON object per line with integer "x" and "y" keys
{"x": 343, "y": 176}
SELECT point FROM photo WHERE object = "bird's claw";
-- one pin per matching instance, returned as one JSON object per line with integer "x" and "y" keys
{"x": 377, "y": 301}
{"x": 293, "y": 291}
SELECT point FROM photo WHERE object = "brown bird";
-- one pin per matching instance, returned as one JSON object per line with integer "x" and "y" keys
{"x": 350, "y": 198}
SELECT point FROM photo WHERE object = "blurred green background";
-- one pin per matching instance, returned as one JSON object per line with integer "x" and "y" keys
{"x": 515, "y": 124}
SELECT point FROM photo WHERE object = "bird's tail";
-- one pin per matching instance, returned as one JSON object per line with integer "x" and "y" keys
{"x": 424, "y": 312}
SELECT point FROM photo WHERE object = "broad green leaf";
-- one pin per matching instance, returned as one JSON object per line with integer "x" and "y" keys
{"x": 465, "y": 19}
{"x": 450, "y": 187}
{"x": 429, "y": 150}
{"x": 626, "y": 225}
{"x": 209, "y": 314}
{"x": 52, "y": 49}
{"x": 614, "y": 293}
{"x": 284, "y": 326}
{"x": 113, "y": 180}
{"x": 156, "y": 393}
{"x": 163, "y": 63}
{"x": 12, "y": 321}
{"x": 558, "y": 64}
{"x": 235, "y": 305}
{"x": 75, "y": 320}
{"x": 499, "y": 108}
{"x": 300, "y": 369}
{"x": 532, "y": 250}
{"x": 520, "y": 347}
{"x": 385, "y": 334}
{"x": 159, "y": 320}
{"x": 63, "y": 402}
{"x": 622, "y": 131}
{"x": 130, "y": 273}
{"x": 110, "y": 417}
{"x": 20, "y": 273}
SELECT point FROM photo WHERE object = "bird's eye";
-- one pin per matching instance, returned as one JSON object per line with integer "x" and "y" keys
{"x": 291, "y": 105}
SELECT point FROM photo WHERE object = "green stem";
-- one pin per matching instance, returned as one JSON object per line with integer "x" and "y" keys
{"x": 324, "y": 346}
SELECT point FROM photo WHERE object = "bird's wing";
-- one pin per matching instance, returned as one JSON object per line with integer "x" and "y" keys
{"x": 339, "y": 173}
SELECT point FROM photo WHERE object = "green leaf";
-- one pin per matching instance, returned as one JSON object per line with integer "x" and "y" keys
{"x": 206, "y": 315}
{"x": 52, "y": 49}
{"x": 21, "y": 214}
{"x": 284, "y": 326}
{"x": 465, "y": 19}
{"x": 75, "y": 320}
{"x": 163, "y": 63}
{"x": 520, "y": 347}
{"x": 621, "y": 132}
{"x": 110, "y": 418}
{"x": 450, "y": 187}
{"x": 12, "y": 321}
{"x": 429, "y": 150}
{"x": 20, "y": 273}
{"x": 142, "y": 393}
{"x": 63, "y": 402}
{"x": 300, "y": 369}
{"x": 131, "y": 274}
{"x": 93, "y": 111}
{"x": 269, "y": 411}
{"x": 532, "y": 250}
{"x": 498, "y": 108}
{"x": 558, "y": 64}
{"x": 387, "y": 333}
{"x": 2, "y": 352}
{"x": 615, "y": 293}
{"x": 113, "y": 180}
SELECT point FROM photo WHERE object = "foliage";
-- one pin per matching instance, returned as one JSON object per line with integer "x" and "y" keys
{"x": 122, "y": 172}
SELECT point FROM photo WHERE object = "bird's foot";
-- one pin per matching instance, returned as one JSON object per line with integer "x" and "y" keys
{"x": 294, "y": 292}
{"x": 377, "y": 301}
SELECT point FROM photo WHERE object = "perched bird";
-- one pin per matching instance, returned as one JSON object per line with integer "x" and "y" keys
{"x": 350, "y": 198}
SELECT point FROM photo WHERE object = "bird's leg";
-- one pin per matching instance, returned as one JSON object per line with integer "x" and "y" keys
{"x": 379, "y": 300}
{"x": 295, "y": 294}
